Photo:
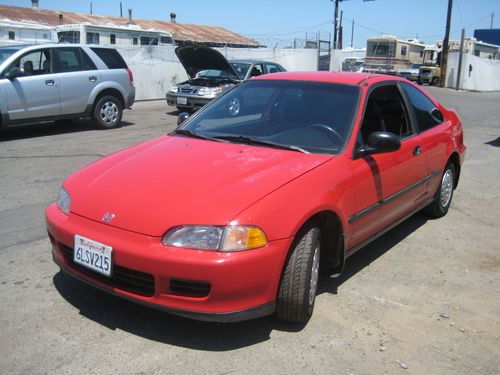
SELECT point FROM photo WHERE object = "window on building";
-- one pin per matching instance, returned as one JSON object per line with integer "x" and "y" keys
{"x": 403, "y": 50}
{"x": 12, "y": 35}
{"x": 134, "y": 41}
{"x": 92, "y": 38}
{"x": 112, "y": 39}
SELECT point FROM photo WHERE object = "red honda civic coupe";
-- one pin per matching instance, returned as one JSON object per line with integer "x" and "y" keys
{"x": 232, "y": 215}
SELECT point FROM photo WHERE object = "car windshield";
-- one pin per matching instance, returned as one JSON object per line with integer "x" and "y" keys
{"x": 241, "y": 68}
{"x": 6, "y": 52}
{"x": 415, "y": 66}
{"x": 310, "y": 117}
{"x": 215, "y": 73}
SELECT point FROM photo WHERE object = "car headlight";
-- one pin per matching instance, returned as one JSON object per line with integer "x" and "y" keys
{"x": 174, "y": 88}
{"x": 63, "y": 200}
{"x": 211, "y": 92}
{"x": 230, "y": 238}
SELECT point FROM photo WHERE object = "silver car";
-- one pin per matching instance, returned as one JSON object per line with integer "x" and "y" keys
{"x": 56, "y": 82}
{"x": 210, "y": 74}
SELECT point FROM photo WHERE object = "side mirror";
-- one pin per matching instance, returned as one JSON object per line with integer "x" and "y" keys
{"x": 183, "y": 116}
{"x": 14, "y": 72}
{"x": 380, "y": 142}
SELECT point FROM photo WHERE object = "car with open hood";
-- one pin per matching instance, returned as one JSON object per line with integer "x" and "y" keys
{"x": 210, "y": 75}
{"x": 232, "y": 215}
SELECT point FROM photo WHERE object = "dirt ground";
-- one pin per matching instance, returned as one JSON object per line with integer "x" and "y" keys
{"x": 422, "y": 299}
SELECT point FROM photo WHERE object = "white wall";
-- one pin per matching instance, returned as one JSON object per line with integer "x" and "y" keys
{"x": 157, "y": 68}
{"x": 485, "y": 74}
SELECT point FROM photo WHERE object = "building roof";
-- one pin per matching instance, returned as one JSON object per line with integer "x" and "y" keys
{"x": 182, "y": 32}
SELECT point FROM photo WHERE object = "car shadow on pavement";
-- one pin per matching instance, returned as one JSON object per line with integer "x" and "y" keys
{"x": 494, "y": 142}
{"x": 50, "y": 128}
{"x": 116, "y": 313}
{"x": 371, "y": 252}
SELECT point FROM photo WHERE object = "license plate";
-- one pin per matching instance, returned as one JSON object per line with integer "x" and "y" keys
{"x": 182, "y": 100}
{"x": 93, "y": 255}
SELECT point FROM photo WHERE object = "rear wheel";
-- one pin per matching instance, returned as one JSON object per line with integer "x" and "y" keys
{"x": 442, "y": 199}
{"x": 299, "y": 284}
{"x": 108, "y": 112}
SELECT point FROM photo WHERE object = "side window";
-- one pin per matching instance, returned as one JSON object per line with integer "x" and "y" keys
{"x": 110, "y": 57}
{"x": 112, "y": 39}
{"x": 134, "y": 41}
{"x": 426, "y": 112}
{"x": 403, "y": 50}
{"x": 385, "y": 111}
{"x": 34, "y": 63}
{"x": 272, "y": 68}
{"x": 257, "y": 70}
{"x": 72, "y": 59}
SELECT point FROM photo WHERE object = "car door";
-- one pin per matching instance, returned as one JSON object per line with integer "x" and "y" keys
{"x": 255, "y": 71}
{"x": 35, "y": 94}
{"x": 428, "y": 119}
{"x": 390, "y": 185}
{"x": 78, "y": 77}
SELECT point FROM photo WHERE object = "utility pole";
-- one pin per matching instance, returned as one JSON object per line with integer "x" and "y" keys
{"x": 491, "y": 23}
{"x": 91, "y": 7}
{"x": 341, "y": 31}
{"x": 335, "y": 17}
{"x": 446, "y": 42}
{"x": 352, "y": 34}
{"x": 460, "y": 57}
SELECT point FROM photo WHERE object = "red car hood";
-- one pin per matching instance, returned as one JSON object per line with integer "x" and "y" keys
{"x": 173, "y": 181}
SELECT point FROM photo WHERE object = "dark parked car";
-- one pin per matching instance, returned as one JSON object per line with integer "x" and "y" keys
{"x": 210, "y": 74}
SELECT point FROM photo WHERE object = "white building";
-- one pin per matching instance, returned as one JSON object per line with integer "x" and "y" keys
{"x": 14, "y": 32}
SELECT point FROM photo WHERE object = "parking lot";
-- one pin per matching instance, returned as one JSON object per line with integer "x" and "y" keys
{"x": 423, "y": 298}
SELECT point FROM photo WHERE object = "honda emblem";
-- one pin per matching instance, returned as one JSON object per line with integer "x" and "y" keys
{"x": 107, "y": 217}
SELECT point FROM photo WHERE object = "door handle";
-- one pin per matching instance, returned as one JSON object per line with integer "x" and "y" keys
{"x": 92, "y": 78}
{"x": 50, "y": 82}
{"x": 417, "y": 151}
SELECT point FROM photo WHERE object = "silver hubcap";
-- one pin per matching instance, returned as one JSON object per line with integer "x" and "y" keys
{"x": 109, "y": 113}
{"x": 234, "y": 106}
{"x": 446, "y": 188}
{"x": 313, "y": 285}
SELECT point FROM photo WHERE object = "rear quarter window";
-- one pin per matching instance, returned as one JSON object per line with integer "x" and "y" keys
{"x": 110, "y": 57}
{"x": 425, "y": 110}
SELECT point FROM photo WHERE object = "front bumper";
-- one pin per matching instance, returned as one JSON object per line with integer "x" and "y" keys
{"x": 192, "y": 101}
{"x": 242, "y": 285}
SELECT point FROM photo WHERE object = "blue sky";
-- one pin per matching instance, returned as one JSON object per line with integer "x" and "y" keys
{"x": 280, "y": 21}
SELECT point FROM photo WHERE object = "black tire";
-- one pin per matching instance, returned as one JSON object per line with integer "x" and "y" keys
{"x": 435, "y": 81}
{"x": 444, "y": 194}
{"x": 108, "y": 112}
{"x": 297, "y": 291}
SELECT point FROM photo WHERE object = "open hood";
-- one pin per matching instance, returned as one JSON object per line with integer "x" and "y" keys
{"x": 197, "y": 58}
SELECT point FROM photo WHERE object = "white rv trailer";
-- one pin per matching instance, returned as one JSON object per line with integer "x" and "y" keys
{"x": 389, "y": 54}
{"x": 129, "y": 35}
{"x": 15, "y": 32}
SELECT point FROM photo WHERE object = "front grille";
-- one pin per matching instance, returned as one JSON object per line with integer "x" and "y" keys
{"x": 122, "y": 278}
{"x": 188, "y": 90}
{"x": 189, "y": 288}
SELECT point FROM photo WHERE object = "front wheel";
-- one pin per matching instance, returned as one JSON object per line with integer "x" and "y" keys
{"x": 442, "y": 199}
{"x": 297, "y": 291}
{"x": 108, "y": 112}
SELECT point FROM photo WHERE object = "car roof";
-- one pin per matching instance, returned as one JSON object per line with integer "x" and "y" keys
{"x": 331, "y": 77}
{"x": 55, "y": 45}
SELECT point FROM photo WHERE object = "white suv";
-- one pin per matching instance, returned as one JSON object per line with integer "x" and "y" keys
{"x": 56, "y": 82}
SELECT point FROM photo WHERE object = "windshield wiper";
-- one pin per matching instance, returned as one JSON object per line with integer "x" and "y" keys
{"x": 261, "y": 142}
{"x": 191, "y": 134}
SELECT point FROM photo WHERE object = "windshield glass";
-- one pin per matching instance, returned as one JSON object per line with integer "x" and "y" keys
{"x": 415, "y": 66}
{"x": 6, "y": 52}
{"x": 215, "y": 73}
{"x": 241, "y": 68}
{"x": 311, "y": 116}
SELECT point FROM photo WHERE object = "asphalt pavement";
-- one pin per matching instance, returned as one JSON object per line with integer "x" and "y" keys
{"x": 424, "y": 298}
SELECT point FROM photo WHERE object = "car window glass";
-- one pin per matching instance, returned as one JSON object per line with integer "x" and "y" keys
{"x": 110, "y": 57}
{"x": 314, "y": 116}
{"x": 241, "y": 68}
{"x": 385, "y": 111}
{"x": 34, "y": 63}
{"x": 426, "y": 112}
{"x": 257, "y": 70}
{"x": 69, "y": 59}
{"x": 272, "y": 68}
